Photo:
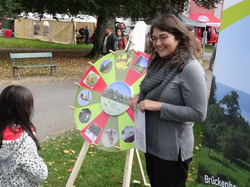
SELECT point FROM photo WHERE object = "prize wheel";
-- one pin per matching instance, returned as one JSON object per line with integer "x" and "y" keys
{"x": 102, "y": 111}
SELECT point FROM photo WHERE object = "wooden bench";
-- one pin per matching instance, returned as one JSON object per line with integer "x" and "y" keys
{"x": 16, "y": 64}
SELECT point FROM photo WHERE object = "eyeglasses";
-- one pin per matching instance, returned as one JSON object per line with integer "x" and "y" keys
{"x": 162, "y": 38}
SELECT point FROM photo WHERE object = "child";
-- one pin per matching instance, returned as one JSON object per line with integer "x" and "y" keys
{"x": 20, "y": 164}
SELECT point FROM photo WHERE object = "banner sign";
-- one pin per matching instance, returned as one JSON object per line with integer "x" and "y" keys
{"x": 225, "y": 156}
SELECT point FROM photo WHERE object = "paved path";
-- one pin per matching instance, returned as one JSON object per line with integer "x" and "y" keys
{"x": 52, "y": 114}
{"x": 207, "y": 55}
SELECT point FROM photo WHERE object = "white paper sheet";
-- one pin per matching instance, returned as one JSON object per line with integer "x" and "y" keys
{"x": 140, "y": 131}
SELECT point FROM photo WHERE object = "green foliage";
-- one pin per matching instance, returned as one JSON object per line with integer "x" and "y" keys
{"x": 231, "y": 107}
{"x": 232, "y": 143}
{"x": 125, "y": 8}
{"x": 207, "y": 4}
{"x": 106, "y": 10}
{"x": 215, "y": 114}
{"x": 193, "y": 166}
{"x": 212, "y": 98}
{"x": 9, "y": 8}
{"x": 226, "y": 131}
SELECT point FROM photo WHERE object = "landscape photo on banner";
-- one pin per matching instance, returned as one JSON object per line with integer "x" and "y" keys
{"x": 224, "y": 159}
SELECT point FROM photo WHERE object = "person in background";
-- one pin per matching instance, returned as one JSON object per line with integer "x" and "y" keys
{"x": 77, "y": 33}
{"x": 198, "y": 43}
{"x": 173, "y": 95}
{"x": 211, "y": 62}
{"x": 82, "y": 31}
{"x": 120, "y": 40}
{"x": 87, "y": 35}
{"x": 20, "y": 164}
{"x": 108, "y": 41}
{"x": 93, "y": 37}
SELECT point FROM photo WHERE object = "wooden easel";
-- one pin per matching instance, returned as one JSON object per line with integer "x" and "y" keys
{"x": 127, "y": 169}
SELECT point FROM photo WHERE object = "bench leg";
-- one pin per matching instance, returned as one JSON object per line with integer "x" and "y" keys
{"x": 14, "y": 69}
{"x": 51, "y": 70}
{"x": 55, "y": 71}
{"x": 19, "y": 77}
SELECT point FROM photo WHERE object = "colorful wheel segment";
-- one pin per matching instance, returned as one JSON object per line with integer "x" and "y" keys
{"x": 102, "y": 110}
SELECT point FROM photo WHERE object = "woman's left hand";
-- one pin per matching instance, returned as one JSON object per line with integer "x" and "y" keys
{"x": 150, "y": 105}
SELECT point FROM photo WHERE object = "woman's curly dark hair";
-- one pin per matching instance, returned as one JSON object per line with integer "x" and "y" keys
{"x": 186, "y": 47}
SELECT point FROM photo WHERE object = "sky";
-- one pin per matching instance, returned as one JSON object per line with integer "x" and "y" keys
{"x": 144, "y": 62}
{"x": 232, "y": 63}
{"x": 121, "y": 87}
{"x": 229, "y": 3}
{"x": 105, "y": 62}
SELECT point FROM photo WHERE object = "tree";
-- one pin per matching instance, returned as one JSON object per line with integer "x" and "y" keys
{"x": 9, "y": 8}
{"x": 226, "y": 131}
{"x": 107, "y": 10}
{"x": 232, "y": 143}
{"x": 230, "y": 104}
{"x": 207, "y": 4}
{"x": 212, "y": 98}
{"x": 213, "y": 127}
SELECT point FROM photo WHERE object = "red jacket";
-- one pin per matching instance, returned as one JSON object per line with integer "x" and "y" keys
{"x": 122, "y": 43}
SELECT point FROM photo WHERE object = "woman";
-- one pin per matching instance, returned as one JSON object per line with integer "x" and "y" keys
{"x": 173, "y": 96}
{"x": 212, "y": 58}
{"x": 198, "y": 43}
{"x": 120, "y": 40}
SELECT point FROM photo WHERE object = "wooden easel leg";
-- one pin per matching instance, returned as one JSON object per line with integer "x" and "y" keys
{"x": 128, "y": 168}
{"x": 78, "y": 164}
{"x": 140, "y": 170}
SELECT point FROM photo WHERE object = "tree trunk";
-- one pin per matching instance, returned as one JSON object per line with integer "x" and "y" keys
{"x": 103, "y": 22}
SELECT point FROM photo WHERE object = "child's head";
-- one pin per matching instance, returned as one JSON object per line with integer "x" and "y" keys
{"x": 16, "y": 105}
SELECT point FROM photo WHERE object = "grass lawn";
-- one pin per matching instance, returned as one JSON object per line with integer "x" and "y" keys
{"x": 99, "y": 168}
{"x": 216, "y": 165}
{"x": 209, "y": 48}
{"x": 13, "y": 42}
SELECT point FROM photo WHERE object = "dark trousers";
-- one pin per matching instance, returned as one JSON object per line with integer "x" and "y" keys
{"x": 87, "y": 39}
{"x": 164, "y": 173}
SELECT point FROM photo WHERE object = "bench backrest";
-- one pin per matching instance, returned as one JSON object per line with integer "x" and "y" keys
{"x": 16, "y": 56}
{"x": 30, "y": 55}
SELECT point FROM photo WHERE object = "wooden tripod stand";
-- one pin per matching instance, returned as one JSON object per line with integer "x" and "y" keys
{"x": 127, "y": 169}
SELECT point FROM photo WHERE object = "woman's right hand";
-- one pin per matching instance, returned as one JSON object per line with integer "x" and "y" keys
{"x": 133, "y": 102}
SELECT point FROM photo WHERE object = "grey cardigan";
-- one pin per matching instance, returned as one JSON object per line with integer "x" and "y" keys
{"x": 184, "y": 101}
